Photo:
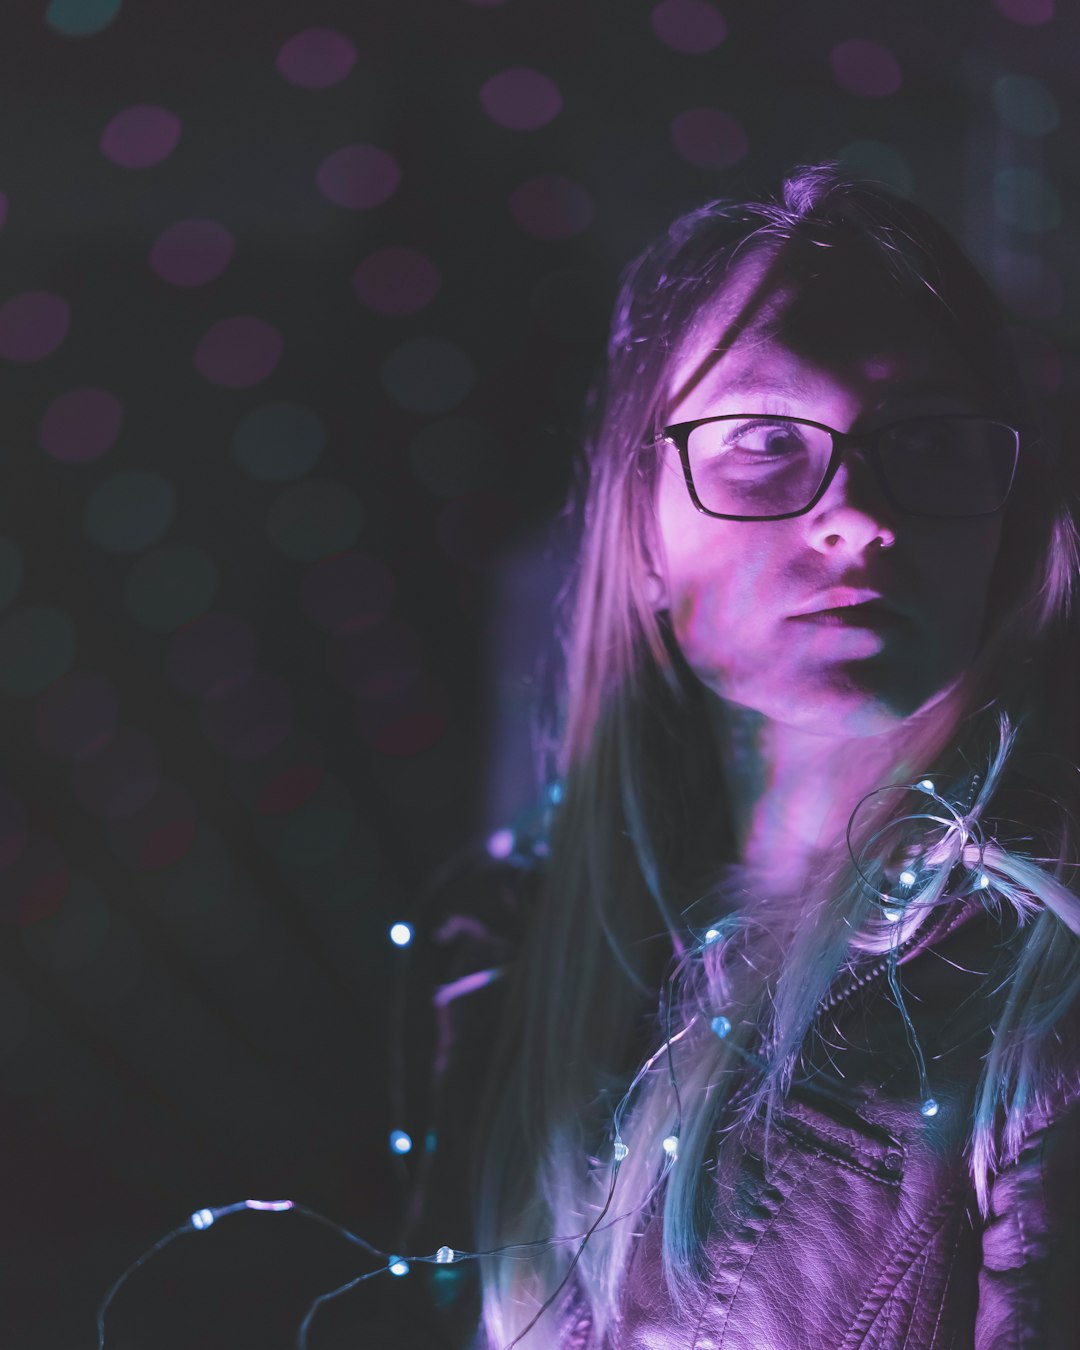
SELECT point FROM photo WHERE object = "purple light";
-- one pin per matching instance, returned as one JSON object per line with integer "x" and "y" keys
{"x": 33, "y": 325}
{"x": 1030, "y": 13}
{"x": 81, "y": 425}
{"x": 140, "y": 137}
{"x": 688, "y": 26}
{"x": 212, "y": 656}
{"x": 396, "y": 281}
{"x": 468, "y": 984}
{"x": 347, "y": 593}
{"x": 191, "y": 252}
{"x": 238, "y": 352}
{"x": 866, "y": 68}
{"x": 520, "y": 100}
{"x": 253, "y": 720}
{"x": 119, "y": 779}
{"x": 501, "y": 844}
{"x": 358, "y": 177}
{"x": 316, "y": 58}
{"x": 709, "y": 138}
{"x": 276, "y": 1205}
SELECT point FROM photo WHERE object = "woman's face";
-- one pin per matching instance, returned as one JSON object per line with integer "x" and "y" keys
{"x": 839, "y": 346}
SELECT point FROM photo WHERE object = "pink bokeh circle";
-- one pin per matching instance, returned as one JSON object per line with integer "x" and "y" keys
{"x": 865, "y": 68}
{"x": 709, "y": 138}
{"x": 77, "y": 715}
{"x": 396, "y": 281}
{"x": 191, "y": 252}
{"x": 358, "y": 177}
{"x": 347, "y": 593}
{"x": 688, "y": 26}
{"x": 120, "y": 778}
{"x": 33, "y": 325}
{"x": 239, "y": 352}
{"x": 81, "y": 425}
{"x": 521, "y": 99}
{"x": 140, "y": 137}
{"x": 316, "y": 58}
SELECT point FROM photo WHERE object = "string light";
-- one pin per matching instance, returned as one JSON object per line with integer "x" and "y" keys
{"x": 929, "y": 1108}
{"x": 671, "y": 1145}
{"x": 711, "y": 935}
{"x": 445, "y": 1256}
{"x": 621, "y": 1150}
{"x": 721, "y": 1026}
{"x": 927, "y": 786}
{"x": 401, "y": 934}
{"x": 907, "y": 878}
{"x": 397, "y": 1266}
{"x": 400, "y": 1142}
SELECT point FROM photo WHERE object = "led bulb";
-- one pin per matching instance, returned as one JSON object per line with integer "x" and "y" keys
{"x": 445, "y": 1255}
{"x": 926, "y": 785}
{"x": 621, "y": 1150}
{"x": 202, "y": 1218}
{"x": 711, "y": 935}
{"x": 721, "y": 1025}
{"x": 501, "y": 844}
{"x": 400, "y": 1142}
{"x": 892, "y": 914}
{"x": 398, "y": 1266}
{"x": 671, "y": 1145}
{"x": 929, "y": 1107}
{"x": 907, "y": 878}
{"x": 401, "y": 934}
{"x": 983, "y": 881}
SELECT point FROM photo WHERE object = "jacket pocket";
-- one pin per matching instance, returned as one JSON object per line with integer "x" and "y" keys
{"x": 834, "y": 1129}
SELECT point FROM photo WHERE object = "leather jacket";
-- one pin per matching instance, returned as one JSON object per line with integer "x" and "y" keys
{"x": 854, "y": 1222}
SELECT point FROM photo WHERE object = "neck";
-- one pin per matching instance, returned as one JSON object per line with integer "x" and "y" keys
{"x": 792, "y": 792}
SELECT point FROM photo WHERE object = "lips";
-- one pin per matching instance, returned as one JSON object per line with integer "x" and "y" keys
{"x": 850, "y": 607}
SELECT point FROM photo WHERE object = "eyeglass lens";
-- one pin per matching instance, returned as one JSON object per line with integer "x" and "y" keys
{"x": 941, "y": 466}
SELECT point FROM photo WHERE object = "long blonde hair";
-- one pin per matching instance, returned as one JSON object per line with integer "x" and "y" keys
{"x": 636, "y": 770}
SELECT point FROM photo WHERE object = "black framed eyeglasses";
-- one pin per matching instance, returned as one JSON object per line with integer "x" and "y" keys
{"x": 750, "y": 466}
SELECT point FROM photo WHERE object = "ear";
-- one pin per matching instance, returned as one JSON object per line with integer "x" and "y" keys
{"x": 655, "y": 591}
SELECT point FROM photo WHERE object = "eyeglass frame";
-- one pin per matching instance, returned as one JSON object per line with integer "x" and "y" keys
{"x": 679, "y": 433}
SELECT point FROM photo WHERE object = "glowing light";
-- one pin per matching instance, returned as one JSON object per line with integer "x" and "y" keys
{"x": 907, "y": 878}
{"x": 202, "y": 1218}
{"x": 711, "y": 934}
{"x": 445, "y": 1255}
{"x": 982, "y": 882}
{"x": 275, "y": 1206}
{"x": 401, "y": 934}
{"x": 621, "y": 1150}
{"x": 929, "y": 1108}
{"x": 400, "y": 1142}
{"x": 398, "y": 1266}
{"x": 926, "y": 785}
{"x": 721, "y": 1026}
{"x": 671, "y": 1145}
{"x": 893, "y": 915}
{"x": 555, "y": 793}
{"x": 501, "y": 844}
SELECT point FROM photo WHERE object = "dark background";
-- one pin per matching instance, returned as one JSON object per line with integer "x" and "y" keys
{"x": 272, "y": 594}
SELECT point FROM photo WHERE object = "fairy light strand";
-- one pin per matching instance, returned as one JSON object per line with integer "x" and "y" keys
{"x": 961, "y": 837}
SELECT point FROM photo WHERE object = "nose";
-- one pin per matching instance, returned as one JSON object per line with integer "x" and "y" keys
{"x": 853, "y": 515}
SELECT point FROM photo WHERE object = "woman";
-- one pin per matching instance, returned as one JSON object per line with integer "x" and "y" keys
{"x": 788, "y": 1052}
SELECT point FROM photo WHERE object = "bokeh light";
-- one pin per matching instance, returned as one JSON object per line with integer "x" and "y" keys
{"x": 455, "y": 456}
{"x": 14, "y": 829}
{"x": 73, "y": 934}
{"x": 170, "y": 586}
{"x": 396, "y": 281}
{"x": 428, "y": 375}
{"x": 160, "y": 833}
{"x": 120, "y": 778}
{"x": 520, "y": 99}
{"x": 880, "y": 162}
{"x": 129, "y": 511}
{"x": 35, "y": 886}
{"x": 191, "y": 252}
{"x": 81, "y": 425}
{"x": 33, "y": 325}
{"x": 239, "y": 352}
{"x": 278, "y": 442}
{"x": 11, "y": 571}
{"x": 317, "y": 829}
{"x": 474, "y": 530}
{"x": 688, "y": 26}
{"x": 140, "y": 137}
{"x": 251, "y": 721}
{"x": 1025, "y": 199}
{"x": 1025, "y": 104}
{"x": 404, "y": 722}
{"x": 358, "y": 177}
{"x": 37, "y": 645}
{"x": 212, "y": 656}
{"x": 313, "y": 519}
{"x": 347, "y": 593}
{"x": 289, "y": 789}
{"x": 80, "y": 18}
{"x": 866, "y": 68}
{"x": 376, "y": 663}
{"x": 709, "y": 138}
{"x": 1030, "y": 13}
{"x": 551, "y": 208}
{"x": 77, "y": 715}
{"x": 316, "y": 58}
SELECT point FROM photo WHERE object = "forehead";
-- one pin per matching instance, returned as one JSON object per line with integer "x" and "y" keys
{"x": 791, "y": 320}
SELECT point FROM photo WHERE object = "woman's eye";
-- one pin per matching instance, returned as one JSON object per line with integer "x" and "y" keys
{"x": 766, "y": 439}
